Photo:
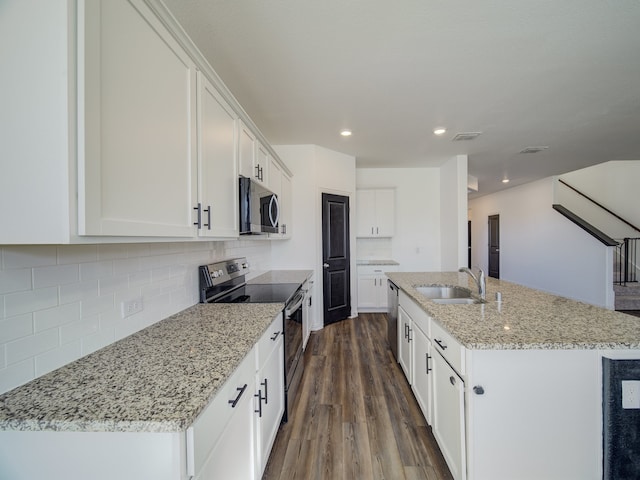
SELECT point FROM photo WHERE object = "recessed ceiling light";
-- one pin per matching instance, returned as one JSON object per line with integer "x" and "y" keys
{"x": 534, "y": 149}
{"x": 439, "y": 130}
{"x": 505, "y": 180}
{"x": 345, "y": 133}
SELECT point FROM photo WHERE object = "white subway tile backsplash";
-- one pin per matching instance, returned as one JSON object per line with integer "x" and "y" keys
{"x": 76, "y": 254}
{"x": 16, "y": 327}
{"x": 15, "y": 280}
{"x": 55, "y": 275}
{"x": 32, "y": 345}
{"x": 23, "y": 256}
{"x": 31, "y": 301}
{"x": 44, "y": 328}
{"x": 96, "y": 270}
{"x": 112, "y": 284}
{"x": 78, "y": 329}
{"x": 78, "y": 291}
{"x": 17, "y": 374}
{"x": 94, "y": 306}
{"x": 54, "y": 317}
{"x": 53, "y": 359}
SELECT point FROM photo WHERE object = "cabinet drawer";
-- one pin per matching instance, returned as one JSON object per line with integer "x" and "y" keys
{"x": 376, "y": 269}
{"x": 205, "y": 431}
{"x": 450, "y": 349}
{"x": 269, "y": 341}
{"x": 417, "y": 314}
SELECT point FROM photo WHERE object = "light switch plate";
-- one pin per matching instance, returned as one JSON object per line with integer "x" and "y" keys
{"x": 131, "y": 307}
{"x": 630, "y": 394}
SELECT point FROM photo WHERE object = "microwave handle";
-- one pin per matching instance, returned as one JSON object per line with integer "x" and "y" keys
{"x": 274, "y": 199}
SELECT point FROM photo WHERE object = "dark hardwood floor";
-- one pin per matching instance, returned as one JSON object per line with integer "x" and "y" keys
{"x": 355, "y": 416}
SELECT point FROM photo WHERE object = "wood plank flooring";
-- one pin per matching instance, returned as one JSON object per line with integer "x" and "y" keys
{"x": 355, "y": 416}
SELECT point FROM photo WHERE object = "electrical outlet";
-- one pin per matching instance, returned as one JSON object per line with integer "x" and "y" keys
{"x": 131, "y": 307}
{"x": 630, "y": 394}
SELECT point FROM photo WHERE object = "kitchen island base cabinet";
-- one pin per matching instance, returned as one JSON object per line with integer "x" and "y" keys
{"x": 539, "y": 415}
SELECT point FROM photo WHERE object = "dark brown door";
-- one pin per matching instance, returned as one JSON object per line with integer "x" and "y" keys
{"x": 335, "y": 258}
{"x": 494, "y": 246}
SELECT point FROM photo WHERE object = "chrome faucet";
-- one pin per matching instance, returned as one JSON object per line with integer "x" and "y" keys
{"x": 480, "y": 280}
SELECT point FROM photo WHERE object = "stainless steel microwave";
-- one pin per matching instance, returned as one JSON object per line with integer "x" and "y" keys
{"x": 259, "y": 208}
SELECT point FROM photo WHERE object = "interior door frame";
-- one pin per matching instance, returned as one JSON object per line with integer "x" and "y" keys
{"x": 490, "y": 272}
{"x": 352, "y": 254}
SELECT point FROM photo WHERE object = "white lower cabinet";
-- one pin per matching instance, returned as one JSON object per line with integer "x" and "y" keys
{"x": 422, "y": 372}
{"x": 448, "y": 415}
{"x": 405, "y": 336}
{"x": 372, "y": 287}
{"x": 269, "y": 396}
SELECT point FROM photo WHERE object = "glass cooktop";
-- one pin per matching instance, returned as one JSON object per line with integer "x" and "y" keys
{"x": 261, "y": 293}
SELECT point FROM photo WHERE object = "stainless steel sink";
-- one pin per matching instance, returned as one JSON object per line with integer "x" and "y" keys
{"x": 456, "y": 301}
{"x": 444, "y": 292}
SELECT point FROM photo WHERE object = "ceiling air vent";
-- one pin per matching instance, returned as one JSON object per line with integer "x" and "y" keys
{"x": 464, "y": 136}
{"x": 533, "y": 149}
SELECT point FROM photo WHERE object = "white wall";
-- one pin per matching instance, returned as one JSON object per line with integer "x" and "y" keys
{"x": 453, "y": 213}
{"x": 612, "y": 184}
{"x": 59, "y": 303}
{"x": 315, "y": 170}
{"x": 416, "y": 243}
{"x": 541, "y": 249}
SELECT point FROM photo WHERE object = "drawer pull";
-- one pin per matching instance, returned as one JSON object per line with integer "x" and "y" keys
{"x": 266, "y": 392}
{"x": 259, "y": 397}
{"x": 440, "y": 344}
{"x": 478, "y": 390}
{"x": 275, "y": 335}
{"x": 428, "y": 357}
{"x": 234, "y": 402}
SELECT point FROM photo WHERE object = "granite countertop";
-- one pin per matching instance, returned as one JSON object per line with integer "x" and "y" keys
{"x": 283, "y": 276}
{"x": 156, "y": 380}
{"x": 376, "y": 262}
{"x": 524, "y": 319}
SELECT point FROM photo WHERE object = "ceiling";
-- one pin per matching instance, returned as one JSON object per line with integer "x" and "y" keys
{"x": 563, "y": 74}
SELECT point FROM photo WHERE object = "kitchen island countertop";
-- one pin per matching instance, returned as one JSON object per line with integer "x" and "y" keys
{"x": 156, "y": 380}
{"x": 524, "y": 319}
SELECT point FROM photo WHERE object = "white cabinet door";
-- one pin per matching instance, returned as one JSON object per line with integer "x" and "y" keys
{"x": 365, "y": 213}
{"x": 246, "y": 151}
{"x": 136, "y": 153}
{"x": 448, "y": 416}
{"x": 217, "y": 174}
{"x": 307, "y": 313}
{"x": 233, "y": 454}
{"x": 367, "y": 291}
{"x": 375, "y": 212}
{"x": 275, "y": 172}
{"x": 269, "y": 401}
{"x": 286, "y": 206}
{"x": 262, "y": 164}
{"x": 405, "y": 337}
{"x": 422, "y": 365}
{"x": 385, "y": 212}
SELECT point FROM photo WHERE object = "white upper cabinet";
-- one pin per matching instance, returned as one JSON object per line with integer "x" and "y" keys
{"x": 253, "y": 157}
{"x": 286, "y": 207}
{"x": 136, "y": 157}
{"x": 217, "y": 164}
{"x": 375, "y": 212}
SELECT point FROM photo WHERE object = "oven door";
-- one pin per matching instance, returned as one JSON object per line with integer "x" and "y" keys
{"x": 293, "y": 362}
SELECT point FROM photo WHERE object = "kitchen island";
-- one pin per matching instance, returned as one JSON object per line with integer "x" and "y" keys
{"x": 512, "y": 389}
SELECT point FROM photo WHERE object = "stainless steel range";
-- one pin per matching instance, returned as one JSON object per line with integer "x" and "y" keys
{"x": 225, "y": 282}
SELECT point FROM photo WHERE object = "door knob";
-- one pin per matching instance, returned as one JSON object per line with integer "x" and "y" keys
{"x": 325, "y": 265}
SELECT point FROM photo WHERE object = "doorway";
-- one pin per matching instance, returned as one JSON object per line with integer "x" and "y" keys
{"x": 494, "y": 246}
{"x": 336, "y": 258}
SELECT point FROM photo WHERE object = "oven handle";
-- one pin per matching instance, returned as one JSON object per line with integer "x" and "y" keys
{"x": 297, "y": 303}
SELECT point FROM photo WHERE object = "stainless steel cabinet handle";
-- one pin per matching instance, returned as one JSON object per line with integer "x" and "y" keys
{"x": 266, "y": 392}
{"x": 208, "y": 224}
{"x": 428, "y": 357}
{"x": 275, "y": 336}
{"x": 198, "y": 209}
{"x": 235, "y": 401}
{"x": 259, "y": 397}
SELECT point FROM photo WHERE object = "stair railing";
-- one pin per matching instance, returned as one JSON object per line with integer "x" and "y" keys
{"x": 626, "y": 251}
{"x": 626, "y": 258}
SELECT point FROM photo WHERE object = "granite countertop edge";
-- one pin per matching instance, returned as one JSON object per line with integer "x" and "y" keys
{"x": 525, "y": 319}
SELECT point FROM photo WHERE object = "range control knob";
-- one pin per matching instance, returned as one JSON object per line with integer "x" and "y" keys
{"x": 220, "y": 272}
{"x": 245, "y": 265}
{"x": 215, "y": 274}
